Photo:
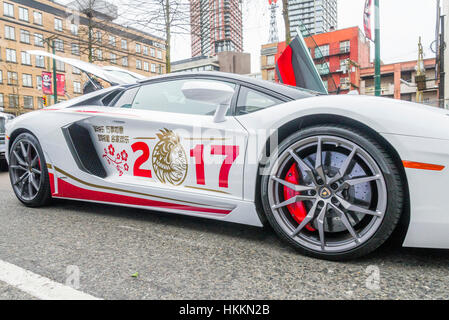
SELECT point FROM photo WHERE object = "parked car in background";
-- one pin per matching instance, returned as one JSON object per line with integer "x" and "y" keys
{"x": 4, "y": 117}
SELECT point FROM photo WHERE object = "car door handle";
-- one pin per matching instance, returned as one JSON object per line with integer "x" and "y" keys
{"x": 118, "y": 121}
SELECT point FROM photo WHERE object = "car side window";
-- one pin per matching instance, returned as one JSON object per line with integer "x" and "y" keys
{"x": 167, "y": 96}
{"x": 126, "y": 99}
{"x": 251, "y": 101}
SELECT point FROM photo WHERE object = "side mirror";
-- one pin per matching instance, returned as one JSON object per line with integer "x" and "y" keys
{"x": 212, "y": 92}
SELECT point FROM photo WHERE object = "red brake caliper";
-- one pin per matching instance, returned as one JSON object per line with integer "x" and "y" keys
{"x": 297, "y": 209}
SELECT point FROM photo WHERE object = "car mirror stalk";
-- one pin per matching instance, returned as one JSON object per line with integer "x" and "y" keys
{"x": 220, "y": 112}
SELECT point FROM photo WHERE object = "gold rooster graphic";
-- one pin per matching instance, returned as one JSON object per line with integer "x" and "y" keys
{"x": 169, "y": 158}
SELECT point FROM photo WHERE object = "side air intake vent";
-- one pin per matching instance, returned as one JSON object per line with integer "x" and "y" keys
{"x": 83, "y": 150}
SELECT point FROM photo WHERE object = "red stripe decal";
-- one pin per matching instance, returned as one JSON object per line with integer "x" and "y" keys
{"x": 67, "y": 190}
{"x": 52, "y": 182}
{"x": 101, "y": 112}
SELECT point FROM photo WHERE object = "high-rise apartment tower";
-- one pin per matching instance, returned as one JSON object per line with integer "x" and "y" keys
{"x": 318, "y": 16}
{"x": 216, "y": 26}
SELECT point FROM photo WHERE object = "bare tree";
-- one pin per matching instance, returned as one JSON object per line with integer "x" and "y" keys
{"x": 286, "y": 21}
{"x": 91, "y": 27}
{"x": 160, "y": 17}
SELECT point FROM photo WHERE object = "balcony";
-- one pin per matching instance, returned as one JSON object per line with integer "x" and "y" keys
{"x": 332, "y": 52}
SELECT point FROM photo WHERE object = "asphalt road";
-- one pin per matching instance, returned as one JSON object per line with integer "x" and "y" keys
{"x": 180, "y": 257}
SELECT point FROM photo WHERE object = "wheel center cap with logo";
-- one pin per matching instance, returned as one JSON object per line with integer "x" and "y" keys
{"x": 325, "y": 193}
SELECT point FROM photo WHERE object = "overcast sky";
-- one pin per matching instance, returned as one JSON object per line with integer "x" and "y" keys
{"x": 402, "y": 22}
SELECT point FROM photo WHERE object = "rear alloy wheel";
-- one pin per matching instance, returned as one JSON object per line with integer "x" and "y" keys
{"x": 28, "y": 172}
{"x": 332, "y": 192}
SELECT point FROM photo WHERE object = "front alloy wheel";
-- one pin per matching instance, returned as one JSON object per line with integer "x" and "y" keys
{"x": 327, "y": 194}
{"x": 28, "y": 172}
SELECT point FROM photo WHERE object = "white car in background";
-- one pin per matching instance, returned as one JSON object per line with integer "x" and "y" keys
{"x": 4, "y": 117}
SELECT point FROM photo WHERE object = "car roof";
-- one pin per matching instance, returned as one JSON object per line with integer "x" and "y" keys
{"x": 293, "y": 93}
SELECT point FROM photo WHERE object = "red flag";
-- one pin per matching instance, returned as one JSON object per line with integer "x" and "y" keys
{"x": 367, "y": 19}
{"x": 60, "y": 84}
{"x": 47, "y": 83}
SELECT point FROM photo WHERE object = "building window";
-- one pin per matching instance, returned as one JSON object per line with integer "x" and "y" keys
{"x": 59, "y": 45}
{"x": 13, "y": 78}
{"x": 13, "y": 100}
{"x": 146, "y": 66}
{"x": 153, "y": 68}
{"x": 270, "y": 60}
{"x": 40, "y": 61}
{"x": 112, "y": 41}
{"x": 345, "y": 46}
{"x": 27, "y": 80}
{"x": 2, "y": 101}
{"x": 1, "y": 76}
{"x": 98, "y": 36}
{"x": 343, "y": 65}
{"x": 37, "y": 18}
{"x": 40, "y": 102}
{"x": 23, "y": 14}
{"x": 138, "y": 48}
{"x": 24, "y": 36}
{"x": 152, "y": 52}
{"x": 11, "y": 55}
{"x": 99, "y": 54}
{"x": 60, "y": 66}
{"x": 76, "y": 87}
{"x": 74, "y": 29}
{"x": 113, "y": 58}
{"x": 75, "y": 70}
{"x": 58, "y": 24}
{"x": 139, "y": 64}
{"x": 10, "y": 33}
{"x": 125, "y": 61}
{"x": 39, "y": 39}
{"x": 75, "y": 49}
{"x": 124, "y": 44}
{"x": 145, "y": 50}
{"x": 322, "y": 51}
{"x": 26, "y": 58}
{"x": 39, "y": 82}
{"x": 8, "y": 9}
{"x": 270, "y": 75}
{"x": 28, "y": 102}
{"x": 159, "y": 54}
{"x": 323, "y": 68}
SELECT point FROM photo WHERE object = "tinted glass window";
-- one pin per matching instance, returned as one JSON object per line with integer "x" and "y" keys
{"x": 126, "y": 99}
{"x": 252, "y": 101}
{"x": 168, "y": 97}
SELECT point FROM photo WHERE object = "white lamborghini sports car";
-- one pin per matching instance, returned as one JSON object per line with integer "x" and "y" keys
{"x": 334, "y": 176}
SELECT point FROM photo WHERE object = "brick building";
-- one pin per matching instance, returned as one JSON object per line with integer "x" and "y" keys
{"x": 33, "y": 24}
{"x": 338, "y": 54}
{"x": 398, "y": 81}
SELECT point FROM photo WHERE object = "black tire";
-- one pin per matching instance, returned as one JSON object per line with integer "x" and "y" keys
{"x": 43, "y": 195}
{"x": 3, "y": 165}
{"x": 392, "y": 181}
